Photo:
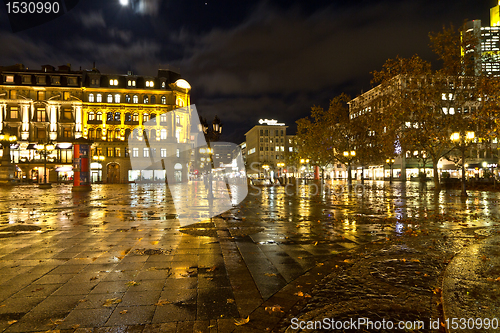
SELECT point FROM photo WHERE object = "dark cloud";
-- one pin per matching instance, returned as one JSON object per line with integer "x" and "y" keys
{"x": 245, "y": 60}
{"x": 94, "y": 19}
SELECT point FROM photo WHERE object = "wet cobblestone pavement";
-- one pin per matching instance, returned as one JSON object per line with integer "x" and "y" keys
{"x": 117, "y": 260}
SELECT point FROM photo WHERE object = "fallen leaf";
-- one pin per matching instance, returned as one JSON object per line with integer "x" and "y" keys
{"x": 212, "y": 269}
{"x": 123, "y": 311}
{"x": 415, "y": 260}
{"x": 132, "y": 283}
{"x": 10, "y": 322}
{"x": 240, "y": 322}
{"x": 75, "y": 326}
{"x": 270, "y": 274}
{"x": 111, "y": 302}
{"x": 230, "y": 300}
{"x": 162, "y": 302}
{"x": 275, "y": 308}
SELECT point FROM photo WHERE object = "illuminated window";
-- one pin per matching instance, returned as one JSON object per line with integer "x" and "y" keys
{"x": 91, "y": 98}
{"x": 178, "y": 153}
{"x": 14, "y": 112}
{"x": 163, "y": 117}
{"x": 91, "y": 116}
{"x": 117, "y": 98}
{"x": 150, "y": 84}
{"x": 177, "y": 119}
{"x": 113, "y": 82}
{"x": 163, "y": 100}
{"x": 135, "y": 99}
{"x": 146, "y": 99}
{"x": 118, "y": 152}
{"x": 109, "y": 116}
{"x": 40, "y": 114}
{"x": 163, "y": 84}
{"x": 99, "y": 116}
{"x": 127, "y": 98}
{"x": 110, "y": 98}
{"x": 109, "y": 152}
{"x": 10, "y": 79}
{"x": 163, "y": 134}
{"x": 163, "y": 152}
{"x": 145, "y": 152}
{"x": 135, "y": 152}
{"x": 145, "y": 118}
{"x": 135, "y": 117}
{"x": 117, "y": 116}
{"x": 99, "y": 98}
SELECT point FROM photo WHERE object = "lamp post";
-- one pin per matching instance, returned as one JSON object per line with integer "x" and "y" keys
{"x": 6, "y": 168}
{"x": 390, "y": 161}
{"x": 462, "y": 141}
{"x": 349, "y": 156}
{"x": 45, "y": 149}
{"x": 212, "y": 134}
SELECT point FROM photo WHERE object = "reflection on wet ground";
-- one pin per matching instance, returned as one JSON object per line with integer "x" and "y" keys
{"x": 124, "y": 242}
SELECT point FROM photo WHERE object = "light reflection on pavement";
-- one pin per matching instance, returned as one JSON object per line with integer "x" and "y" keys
{"x": 247, "y": 255}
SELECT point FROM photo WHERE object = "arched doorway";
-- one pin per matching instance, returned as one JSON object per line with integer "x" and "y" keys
{"x": 113, "y": 173}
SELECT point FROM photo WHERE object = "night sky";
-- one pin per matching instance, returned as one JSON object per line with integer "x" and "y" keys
{"x": 245, "y": 60}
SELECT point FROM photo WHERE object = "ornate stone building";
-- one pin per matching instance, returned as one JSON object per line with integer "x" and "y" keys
{"x": 62, "y": 105}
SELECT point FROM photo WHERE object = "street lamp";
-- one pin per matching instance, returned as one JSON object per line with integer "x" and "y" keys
{"x": 390, "y": 161}
{"x": 462, "y": 141}
{"x": 6, "y": 168}
{"x": 349, "y": 155}
{"x": 213, "y": 133}
{"x": 45, "y": 149}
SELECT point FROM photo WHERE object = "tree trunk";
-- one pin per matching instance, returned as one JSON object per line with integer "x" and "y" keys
{"x": 362, "y": 174}
{"x": 437, "y": 185}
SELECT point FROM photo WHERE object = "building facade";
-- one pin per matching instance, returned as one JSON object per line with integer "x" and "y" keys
{"x": 123, "y": 116}
{"x": 266, "y": 148}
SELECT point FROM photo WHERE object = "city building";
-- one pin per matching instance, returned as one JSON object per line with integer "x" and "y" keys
{"x": 131, "y": 117}
{"x": 123, "y": 116}
{"x": 38, "y": 106}
{"x": 266, "y": 146}
{"x": 486, "y": 51}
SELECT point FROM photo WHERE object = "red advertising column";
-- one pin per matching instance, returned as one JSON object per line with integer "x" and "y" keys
{"x": 316, "y": 172}
{"x": 81, "y": 166}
